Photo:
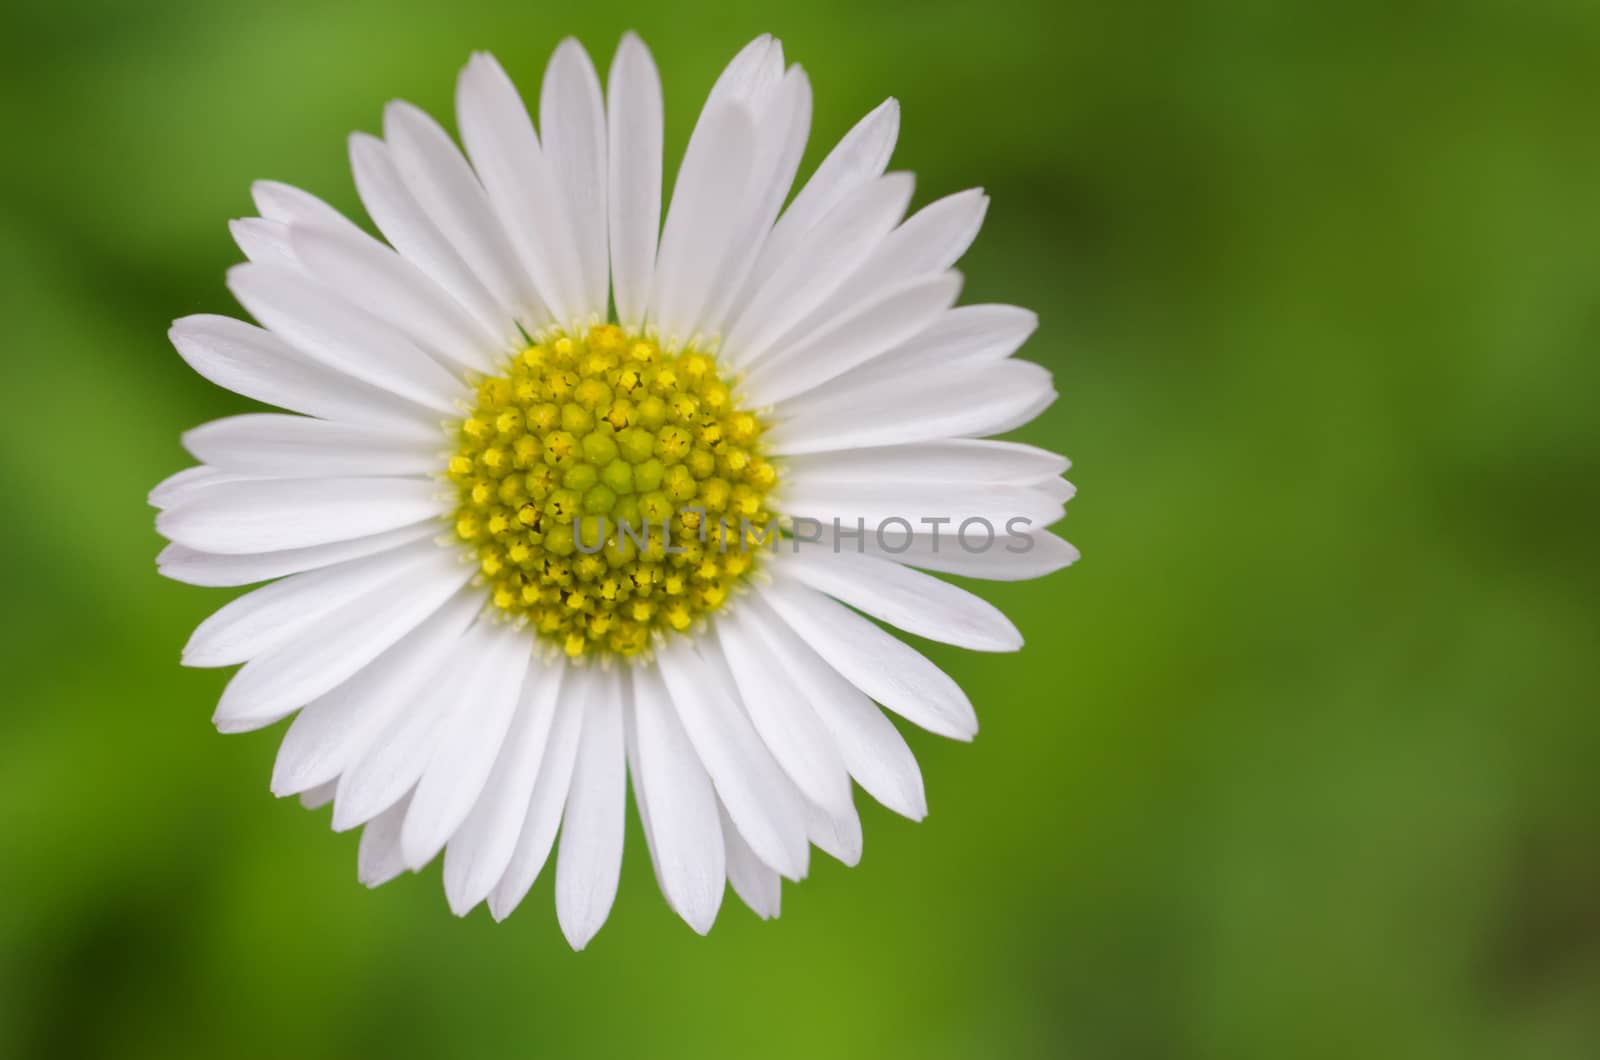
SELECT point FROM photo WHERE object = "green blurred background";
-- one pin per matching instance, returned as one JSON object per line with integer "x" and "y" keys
{"x": 1296, "y": 762}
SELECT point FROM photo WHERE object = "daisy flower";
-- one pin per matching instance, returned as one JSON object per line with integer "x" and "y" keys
{"x": 566, "y": 491}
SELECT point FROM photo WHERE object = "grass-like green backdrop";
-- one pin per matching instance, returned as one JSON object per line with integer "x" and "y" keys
{"x": 1299, "y": 761}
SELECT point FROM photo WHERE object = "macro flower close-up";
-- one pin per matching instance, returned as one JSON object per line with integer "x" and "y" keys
{"x": 548, "y": 529}
{"x": 590, "y": 480}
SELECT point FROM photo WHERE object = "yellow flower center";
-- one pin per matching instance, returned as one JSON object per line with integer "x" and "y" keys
{"x": 610, "y": 490}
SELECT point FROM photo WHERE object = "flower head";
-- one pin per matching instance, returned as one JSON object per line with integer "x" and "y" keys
{"x": 522, "y": 545}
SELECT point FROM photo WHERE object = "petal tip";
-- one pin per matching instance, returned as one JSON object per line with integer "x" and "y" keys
{"x": 701, "y": 924}
{"x": 578, "y": 935}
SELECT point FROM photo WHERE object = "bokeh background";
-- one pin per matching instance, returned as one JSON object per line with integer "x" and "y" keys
{"x": 1299, "y": 761}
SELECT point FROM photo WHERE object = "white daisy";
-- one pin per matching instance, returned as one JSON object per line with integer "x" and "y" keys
{"x": 478, "y": 643}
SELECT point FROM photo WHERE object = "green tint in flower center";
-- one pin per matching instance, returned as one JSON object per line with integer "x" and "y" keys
{"x": 609, "y": 489}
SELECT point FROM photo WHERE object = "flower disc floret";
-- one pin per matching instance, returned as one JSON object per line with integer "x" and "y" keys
{"x": 610, "y": 490}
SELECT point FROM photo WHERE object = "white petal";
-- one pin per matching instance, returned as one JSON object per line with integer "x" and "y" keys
{"x": 837, "y": 834}
{"x": 634, "y": 125}
{"x": 858, "y": 158}
{"x": 961, "y": 460}
{"x": 937, "y": 404}
{"x": 406, "y": 224}
{"x": 368, "y": 274}
{"x": 891, "y": 672}
{"x": 932, "y": 240}
{"x": 817, "y": 265}
{"x": 707, "y": 202}
{"x": 676, "y": 793}
{"x": 481, "y": 849}
{"x": 505, "y": 151}
{"x": 967, "y": 335}
{"x": 783, "y": 119}
{"x": 872, "y": 748}
{"x": 342, "y": 337}
{"x": 466, "y": 753}
{"x": 757, "y": 885}
{"x": 572, "y": 119}
{"x": 272, "y": 685}
{"x": 747, "y": 779}
{"x": 318, "y": 797}
{"x": 1021, "y": 554}
{"x": 300, "y": 446}
{"x": 787, "y": 127}
{"x": 445, "y": 188}
{"x": 267, "y": 515}
{"x": 925, "y": 245}
{"x": 336, "y": 729}
{"x": 871, "y": 329}
{"x": 787, "y": 724}
{"x": 275, "y": 614}
{"x": 1022, "y": 414}
{"x": 183, "y": 487}
{"x": 549, "y": 797}
{"x": 1058, "y": 488}
{"x": 750, "y": 75}
{"x": 209, "y": 569}
{"x": 590, "y": 861}
{"x": 290, "y": 206}
{"x": 630, "y": 741}
{"x": 917, "y": 603}
{"x": 378, "y": 859}
{"x": 900, "y": 506}
{"x": 258, "y": 364}
{"x": 396, "y": 758}
{"x": 263, "y": 241}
